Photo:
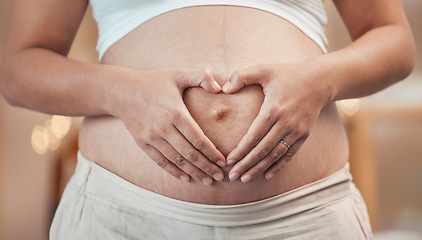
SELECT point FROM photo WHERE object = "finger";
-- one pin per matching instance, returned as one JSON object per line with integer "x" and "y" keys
{"x": 164, "y": 163}
{"x": 258, "y": 153}
{"x": 191, "y": 154}
{"x": 258, "y": 129}
{"x": 280, "y": 164}
{"x": 190, "y": 129}
{"x": 182, "y": 163}
{"x": 272, "y": 157}
{"x": 241, "y": 78}
{"x": 198, "y": 78}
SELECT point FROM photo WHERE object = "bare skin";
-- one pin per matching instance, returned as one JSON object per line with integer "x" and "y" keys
{"x": 241, "y": 45}
{"x": 224, "y": 118}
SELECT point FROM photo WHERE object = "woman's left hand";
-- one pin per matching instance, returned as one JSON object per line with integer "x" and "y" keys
{"x": 293, "y": 100}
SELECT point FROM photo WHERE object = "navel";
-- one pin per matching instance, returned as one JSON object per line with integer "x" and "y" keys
{"x": 220, "y": 113}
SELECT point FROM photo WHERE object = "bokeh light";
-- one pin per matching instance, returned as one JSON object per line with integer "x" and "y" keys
{"x": 349, "y": 106}
{"x": 49, "y": 135}
{"x": 39, "y": 139}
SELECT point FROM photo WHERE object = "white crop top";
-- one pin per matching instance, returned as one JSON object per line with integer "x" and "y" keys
{"x": 116, "y": 18}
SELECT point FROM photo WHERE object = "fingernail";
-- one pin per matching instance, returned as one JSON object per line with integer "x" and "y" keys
{"x": 269, "y": 176}
{"x": 230, "y": 162}
{"x": 221, "y": 163}
{"x": 234, "y": 176}
{"x": 246, "y": 178}
{"x": 207, "y": 181}
{"x": 184, "y": 178}
{"x": 217, "y": 86}
{"x": 227, "y": 86}
{"x": 218, "y": 176}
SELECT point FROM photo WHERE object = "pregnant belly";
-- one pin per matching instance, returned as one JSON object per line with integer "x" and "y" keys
{"x": 223, "y": 39}
{"x": 224, "y": 118}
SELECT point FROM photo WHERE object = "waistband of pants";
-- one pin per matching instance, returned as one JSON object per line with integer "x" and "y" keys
{"x": 91, "y": 179}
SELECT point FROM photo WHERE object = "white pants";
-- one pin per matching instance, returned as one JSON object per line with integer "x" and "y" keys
{"x": 98, "y": 204}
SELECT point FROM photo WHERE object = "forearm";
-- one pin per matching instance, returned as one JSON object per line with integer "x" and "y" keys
{"x": 42, "y": 80}
{"x": 374, "y": 61}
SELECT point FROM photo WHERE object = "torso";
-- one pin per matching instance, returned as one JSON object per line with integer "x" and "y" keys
{"x": 223, "y": 39}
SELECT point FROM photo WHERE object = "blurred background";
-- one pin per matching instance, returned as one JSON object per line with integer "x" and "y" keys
{"x": 38, "y": 151}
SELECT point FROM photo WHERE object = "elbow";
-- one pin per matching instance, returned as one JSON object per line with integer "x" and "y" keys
{"x": 409, "y": 56}
{"x": 7, "y": 84}
{"x": 410, "y": 63}
{"x": 404, "y": 69}
{"x": 6, "y": 91}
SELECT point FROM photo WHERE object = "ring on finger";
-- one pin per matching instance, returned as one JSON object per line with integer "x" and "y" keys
{"x": 285, "y": 144}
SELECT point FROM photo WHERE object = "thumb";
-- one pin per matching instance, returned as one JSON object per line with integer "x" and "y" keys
{"x": 241, "y": 78}
{"x": 200, "y": 78}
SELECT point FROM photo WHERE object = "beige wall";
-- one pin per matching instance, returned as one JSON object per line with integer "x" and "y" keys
{"x": 24, "y": 203}
{"x": 1, "y": 133}
{"x": 385, "y": 139}
{"x": 26, "y": 184}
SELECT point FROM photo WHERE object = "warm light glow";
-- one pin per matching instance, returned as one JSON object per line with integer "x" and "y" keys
{"x": 50, "y": 135}
{"x": 54, "y": 140}
{"x": 39, "y": 139}
{"x": 350, "y": 106}
{"x": 60, "y": 125}
{"x": 54, "y": 145}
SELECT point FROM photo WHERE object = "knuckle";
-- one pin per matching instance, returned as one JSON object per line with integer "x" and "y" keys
{"x": 274, "y": 156}
{"x": 253, "y": 140}
{"x": 198, "y": 142}
{"x": 196, "y": 174}
{"x": 212, "y": 157}
{"x": 290, "y": 124}
{"x": 302, "y": 130}
{"x": 274, "y": 112}
{"x": 289, "y": 155}
{"x": 192, "y": 155}
{"x": 260, "y": 153}
{"x": 209, "y": 170}
{"x": 148, "y": 137}
{"x": 159, "y": 127}
{"x": 179, "y": 161}
{"x": 242, "y": 167}
{"x": 161, "y": 162}
{"x": 174, "y": 114}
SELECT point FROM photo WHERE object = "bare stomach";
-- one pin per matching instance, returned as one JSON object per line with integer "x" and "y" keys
{"x": 223, "y": 39}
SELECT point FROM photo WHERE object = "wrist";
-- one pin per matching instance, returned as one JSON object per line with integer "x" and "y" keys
{"x": 119, "y": 85}
{"x": 319, "y": 80}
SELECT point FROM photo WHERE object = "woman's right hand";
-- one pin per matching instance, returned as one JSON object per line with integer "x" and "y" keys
{"x": 151, "y": 106}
